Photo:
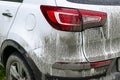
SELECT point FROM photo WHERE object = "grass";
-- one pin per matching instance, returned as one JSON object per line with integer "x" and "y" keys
{"x": 2, "y": 74}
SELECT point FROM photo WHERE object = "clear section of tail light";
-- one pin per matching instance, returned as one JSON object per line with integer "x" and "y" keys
{"x": 93, "y": 19}
{"x": 67, "y": 19}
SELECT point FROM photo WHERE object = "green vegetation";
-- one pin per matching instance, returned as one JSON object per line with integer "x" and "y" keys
{"x": 2, "y": 74}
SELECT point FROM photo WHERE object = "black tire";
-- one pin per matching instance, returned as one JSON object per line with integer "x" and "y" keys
{"x": 118, "y": 64}
{"x": 17, "y": 68}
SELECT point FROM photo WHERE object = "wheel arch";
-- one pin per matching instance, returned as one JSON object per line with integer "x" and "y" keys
{"x": 10, "y": 46}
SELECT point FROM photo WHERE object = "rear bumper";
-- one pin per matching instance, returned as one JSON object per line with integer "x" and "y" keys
{"x": 58, "y": 74}
{"x": 39, "y": 75}
{"x": 48, "y": 67}
{"x": 107, "y": 74}
{"x": 83, "y": 70}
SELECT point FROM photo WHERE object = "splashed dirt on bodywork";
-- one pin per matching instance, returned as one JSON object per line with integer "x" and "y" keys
{"x": 95, "y": 44}
{"x": 58, "y": 47}
{"x": 104, "y": 43}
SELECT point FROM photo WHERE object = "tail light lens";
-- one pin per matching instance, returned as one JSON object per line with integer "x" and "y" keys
{"x": 62, "y": 18}
{"x": 93, "y": 19}
{"x": 67, "y": 19}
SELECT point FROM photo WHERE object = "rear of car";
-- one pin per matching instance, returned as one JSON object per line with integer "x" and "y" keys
{"x": 88, "y": 33}
{"x": 62, "y": 39}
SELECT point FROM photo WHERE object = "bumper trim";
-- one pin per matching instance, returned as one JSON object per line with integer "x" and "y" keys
{"x": 80, "y": 65}
{"x": 48, "y": 77}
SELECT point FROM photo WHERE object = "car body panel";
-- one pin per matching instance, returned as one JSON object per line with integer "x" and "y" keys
{"x": 44, "y": 44}
{"x": 100, "y": 43}
{"x": 5, "y": 21}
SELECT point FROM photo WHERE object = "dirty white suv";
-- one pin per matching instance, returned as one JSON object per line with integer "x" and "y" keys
{"x": 59, "y": 39}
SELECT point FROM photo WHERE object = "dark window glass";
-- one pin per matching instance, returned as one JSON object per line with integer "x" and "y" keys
{"x": 13, "y": 0}
{"x": 97, "y": 2}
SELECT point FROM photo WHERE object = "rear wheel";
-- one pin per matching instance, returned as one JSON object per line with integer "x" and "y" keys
{"x": 17, "y": 68}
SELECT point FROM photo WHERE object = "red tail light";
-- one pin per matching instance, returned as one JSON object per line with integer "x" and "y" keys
{"x": 66, "y": 19}
{"x": 62, "y": 18}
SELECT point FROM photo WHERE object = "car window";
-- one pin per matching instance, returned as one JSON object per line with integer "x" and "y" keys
{"x": 13, "y": 0}
{"x": 97, "y": 2}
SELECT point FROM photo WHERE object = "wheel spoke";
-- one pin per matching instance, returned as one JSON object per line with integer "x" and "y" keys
{"x": 14, "y": 73}
{"x": 22, "y": 79}
{"x": 20, "y": 69}
{"x": 17, "y": 69}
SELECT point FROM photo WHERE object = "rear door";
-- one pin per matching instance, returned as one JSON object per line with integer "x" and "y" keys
{"x": 101, "y": 42}
{"x": 8, "y": 10}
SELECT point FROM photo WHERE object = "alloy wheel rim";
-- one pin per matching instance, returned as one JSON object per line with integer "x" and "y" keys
{"x": 17, "y": 72}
